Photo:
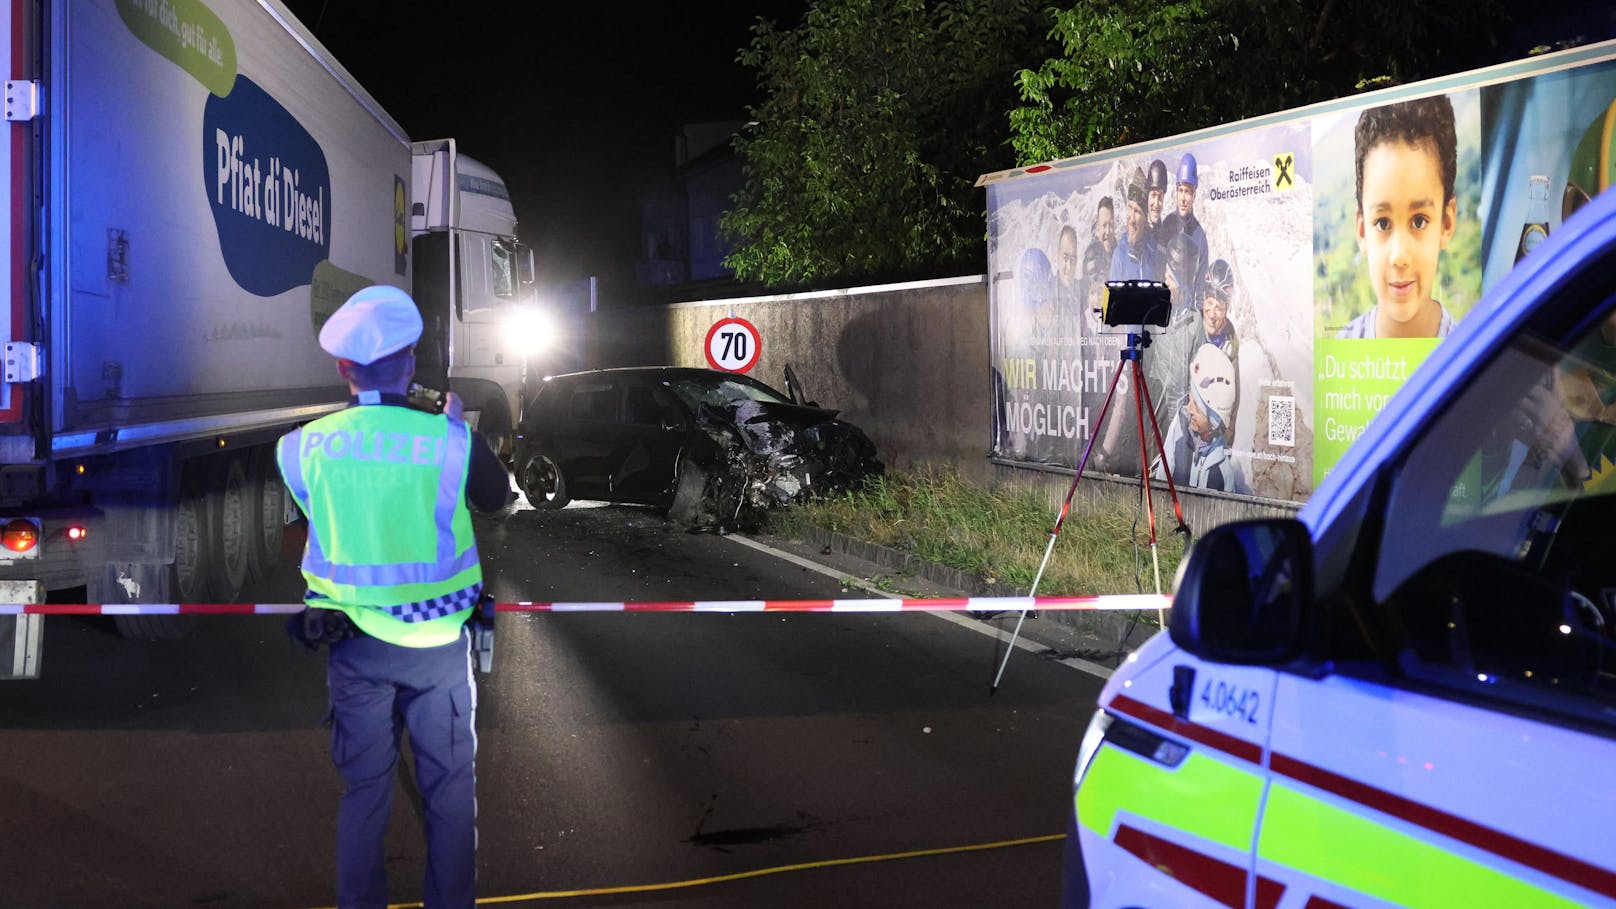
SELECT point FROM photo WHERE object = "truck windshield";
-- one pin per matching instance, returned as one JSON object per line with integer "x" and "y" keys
{"x": 504, "y": 268}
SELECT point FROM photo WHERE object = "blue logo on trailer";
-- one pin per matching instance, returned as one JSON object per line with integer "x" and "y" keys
{"x": 269, "y": 187}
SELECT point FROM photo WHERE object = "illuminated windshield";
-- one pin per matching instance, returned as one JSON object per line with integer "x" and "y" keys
{"x": 724, "y": 390}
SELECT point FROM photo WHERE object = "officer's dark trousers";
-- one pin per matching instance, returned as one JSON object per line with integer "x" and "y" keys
{"x": 377, "y": 691}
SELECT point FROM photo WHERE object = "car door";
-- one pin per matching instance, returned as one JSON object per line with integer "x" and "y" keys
{"x": 652, "y": 428}
{"x": 583, "y": 437}
{"x": 1459, "y": 748}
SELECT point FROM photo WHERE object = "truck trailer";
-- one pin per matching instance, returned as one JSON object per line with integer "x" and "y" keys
{"x": 193, "y": 188}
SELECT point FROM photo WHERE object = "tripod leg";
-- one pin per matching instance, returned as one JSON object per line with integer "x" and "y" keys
{"x": 1141, "y": 402}
{"x": 1167, "y": 467}
{"x": 1060, "y": 519}
{"x": 1147, "y": 406}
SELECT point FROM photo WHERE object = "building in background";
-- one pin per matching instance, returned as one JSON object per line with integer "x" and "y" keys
{"x": 681, "y": 251}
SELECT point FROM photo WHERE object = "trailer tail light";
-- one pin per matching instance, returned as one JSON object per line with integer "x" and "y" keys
{"x": 77, "y": 532}
{"x": 19, "y": 535}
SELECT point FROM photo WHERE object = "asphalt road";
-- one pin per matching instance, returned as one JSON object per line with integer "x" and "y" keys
{"x": 628, "y": 759}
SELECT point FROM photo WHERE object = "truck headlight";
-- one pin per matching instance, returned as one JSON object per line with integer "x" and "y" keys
{"x": 528, "y": 331}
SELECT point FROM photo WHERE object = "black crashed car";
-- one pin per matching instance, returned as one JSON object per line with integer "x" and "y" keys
{"x": 712, "y": 449}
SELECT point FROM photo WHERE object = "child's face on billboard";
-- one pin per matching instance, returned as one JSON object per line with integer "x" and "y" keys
{"x": 1403, "y": 226}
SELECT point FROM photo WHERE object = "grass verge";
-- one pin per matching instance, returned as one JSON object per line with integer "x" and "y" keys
{"x": 998, "y": 535}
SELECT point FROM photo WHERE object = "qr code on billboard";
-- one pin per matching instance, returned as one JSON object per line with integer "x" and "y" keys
{"x": 1282, "y": 420}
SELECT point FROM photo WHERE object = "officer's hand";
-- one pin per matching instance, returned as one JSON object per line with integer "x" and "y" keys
{"x": 453, "y": 408}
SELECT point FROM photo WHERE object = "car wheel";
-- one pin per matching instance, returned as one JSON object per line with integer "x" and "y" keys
{"x": 690, "y": 507}
{"x": 543, "y": 484}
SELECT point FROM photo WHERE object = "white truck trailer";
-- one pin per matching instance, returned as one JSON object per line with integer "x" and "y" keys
{"x": 193, "y": 186}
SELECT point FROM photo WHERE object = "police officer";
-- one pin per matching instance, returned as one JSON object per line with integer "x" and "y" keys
{"x": 393, "y": 576}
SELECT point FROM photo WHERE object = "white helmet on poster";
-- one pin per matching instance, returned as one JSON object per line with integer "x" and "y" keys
{"x": 1212, "y": 381}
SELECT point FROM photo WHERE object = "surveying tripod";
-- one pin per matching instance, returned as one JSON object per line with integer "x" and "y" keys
{"x": 1133, "y": 359}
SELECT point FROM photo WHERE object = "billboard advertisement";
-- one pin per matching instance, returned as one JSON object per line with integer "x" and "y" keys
{"x": 1312, "y": 259}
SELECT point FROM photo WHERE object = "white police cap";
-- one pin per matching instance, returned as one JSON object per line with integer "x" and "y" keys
{"x": 373, "y": 323}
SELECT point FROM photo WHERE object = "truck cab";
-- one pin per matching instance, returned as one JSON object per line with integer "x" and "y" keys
{"x": 474, "y": 283}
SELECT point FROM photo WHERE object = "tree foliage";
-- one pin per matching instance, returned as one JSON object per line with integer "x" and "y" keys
{"x": 877, "y": 118}
{"x": 1169, "y": 67}
{"x": 879, "y": 115}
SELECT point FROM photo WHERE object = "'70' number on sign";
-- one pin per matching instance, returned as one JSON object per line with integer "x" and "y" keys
{"x": 733, "y": 345}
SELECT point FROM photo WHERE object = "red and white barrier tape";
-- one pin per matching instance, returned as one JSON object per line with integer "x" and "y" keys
{"x": 938, "y": 604}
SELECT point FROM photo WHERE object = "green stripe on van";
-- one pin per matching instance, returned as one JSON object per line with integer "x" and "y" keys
{"x": 1332, "y": 844}
{"x": 1203, "y": 796}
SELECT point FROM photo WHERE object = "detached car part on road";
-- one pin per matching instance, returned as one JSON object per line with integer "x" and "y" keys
{"x": 1408, "y": 696}
{"x": 712, "y": 449}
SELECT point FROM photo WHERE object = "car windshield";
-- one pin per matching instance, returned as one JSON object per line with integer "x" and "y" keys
{"x": 721, "y": 391}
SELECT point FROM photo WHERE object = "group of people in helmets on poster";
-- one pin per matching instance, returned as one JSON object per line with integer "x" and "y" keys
{"x": 1192, "y": 364}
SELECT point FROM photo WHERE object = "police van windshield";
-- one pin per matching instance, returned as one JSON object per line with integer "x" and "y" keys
{"x": 1498, "y": 560}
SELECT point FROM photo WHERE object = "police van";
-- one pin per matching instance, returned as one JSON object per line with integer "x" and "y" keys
{"x": 1406, "y": 696}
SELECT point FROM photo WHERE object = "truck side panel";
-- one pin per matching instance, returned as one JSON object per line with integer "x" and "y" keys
{"x": 216, "y": 193}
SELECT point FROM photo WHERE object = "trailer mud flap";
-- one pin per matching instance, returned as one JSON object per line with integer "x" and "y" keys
{"x": 20, "y": 634}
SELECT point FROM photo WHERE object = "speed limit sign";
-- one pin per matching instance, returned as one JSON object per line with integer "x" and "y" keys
{"x": 733, "y": 345}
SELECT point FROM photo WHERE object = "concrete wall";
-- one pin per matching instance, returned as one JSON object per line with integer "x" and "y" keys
{"x": 906, "y": 362}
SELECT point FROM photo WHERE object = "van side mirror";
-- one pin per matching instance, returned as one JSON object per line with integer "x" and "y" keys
{"x": 1244, "y": 594}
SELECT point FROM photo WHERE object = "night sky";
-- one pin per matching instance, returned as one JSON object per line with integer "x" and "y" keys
{"x": 575, "y": 105}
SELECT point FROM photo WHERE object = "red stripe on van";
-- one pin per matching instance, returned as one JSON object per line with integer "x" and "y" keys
{"x": 1539, "y": 858}
{"x": 1558, "y": 864}
{"x": 1211, "y": 877}
{"x": 1240, "y": 748}
{"x": 1215, "y": 879}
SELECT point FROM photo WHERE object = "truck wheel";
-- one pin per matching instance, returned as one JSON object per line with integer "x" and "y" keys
{"x": 193, "y": 544}
{"x": 267, "y": 514}
{"x": 233, "y": 511}
{"x": 542, "y": 483}
{"x": 142, "y": 583}
{"x": 495, "y": 425}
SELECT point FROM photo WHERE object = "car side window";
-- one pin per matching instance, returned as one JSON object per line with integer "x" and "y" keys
{"x": 594, "y": 401}
{"x": 1497, "y": 567}
{"x": 640, "y": 406}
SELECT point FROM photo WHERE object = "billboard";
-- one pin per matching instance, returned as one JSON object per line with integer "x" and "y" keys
{"x": 1313, "y": 259}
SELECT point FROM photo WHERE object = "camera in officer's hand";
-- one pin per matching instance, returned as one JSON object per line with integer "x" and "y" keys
{"x": 430, "y": 400}
{"x": 1136, "y": 303}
